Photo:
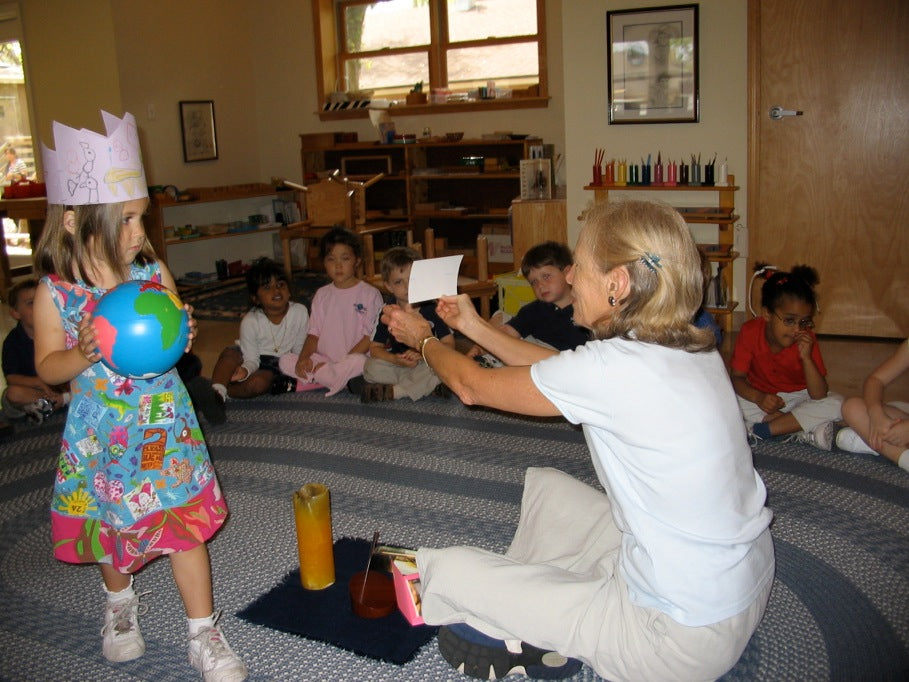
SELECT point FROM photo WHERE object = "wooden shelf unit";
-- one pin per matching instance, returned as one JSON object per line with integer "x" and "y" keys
{"x": 725, "y": 201}
{"x": 209, "y": 205}
{"x": 424, "y": 176}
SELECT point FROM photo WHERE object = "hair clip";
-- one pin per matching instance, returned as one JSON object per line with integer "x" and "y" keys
{"x": 651, "y": 260}
{"x": 782, "y": 280}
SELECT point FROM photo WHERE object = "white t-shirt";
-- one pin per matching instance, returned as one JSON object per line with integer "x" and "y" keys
{"x": 669, "y": 447}
{"x": 258, "y": 336}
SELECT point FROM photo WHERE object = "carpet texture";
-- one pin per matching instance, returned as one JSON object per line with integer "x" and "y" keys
{"x": 326, "y": 615}
{"x": 228, "y": 301}
{"x": 436, "y": 473}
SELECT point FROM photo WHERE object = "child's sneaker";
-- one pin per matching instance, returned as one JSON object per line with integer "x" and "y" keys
{"x": 474, "y": 654}
{"x": 356, "y": 384}
{"x": 753, "y": 438}
{"x": 122, "y": 639}
{"x": 820, "y": 436}
{"x": 442, "y": 391}
{"x": 283, "y": 384}
{"x": 847, "y": 439}
{"x": 39, "y": 410}
{"x": 211, "y": 655}
{"x": 488, "y": 361}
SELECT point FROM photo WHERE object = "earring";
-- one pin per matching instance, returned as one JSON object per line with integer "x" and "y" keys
{"x": 611, "y": 300}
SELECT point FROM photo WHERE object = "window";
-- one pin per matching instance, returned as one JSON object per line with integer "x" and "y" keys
{"x": 385, "y": 47}
{"x": 17, "y": 149}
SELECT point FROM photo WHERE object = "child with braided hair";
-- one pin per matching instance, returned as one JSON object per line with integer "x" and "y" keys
{"x": 777, "y": 369}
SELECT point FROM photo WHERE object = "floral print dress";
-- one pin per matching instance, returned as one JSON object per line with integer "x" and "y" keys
{"x": 134, "y": 480}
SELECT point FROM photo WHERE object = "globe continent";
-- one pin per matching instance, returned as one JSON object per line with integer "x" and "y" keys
{"x": 142, "y": 329}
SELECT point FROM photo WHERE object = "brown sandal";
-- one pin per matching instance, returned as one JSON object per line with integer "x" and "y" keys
{"x": 375, "y": 393}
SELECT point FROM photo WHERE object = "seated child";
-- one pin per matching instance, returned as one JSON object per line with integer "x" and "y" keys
{"x": 394, "y": 370}
{"x": 702, "y": 318}
{"x": 342, "y": 320}
{"x": 548, "y": 320}
{"x": 877, "y": 427}
{"x": 777, "y": 369}
{"x": 25, "y": 394}
{"x": 274, "y": 325}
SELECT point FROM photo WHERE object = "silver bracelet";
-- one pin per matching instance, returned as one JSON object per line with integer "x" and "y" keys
{"x": 422, "y": 347}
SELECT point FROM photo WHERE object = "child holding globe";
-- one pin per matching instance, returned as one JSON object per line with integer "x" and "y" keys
{"x": 134, "y": 480}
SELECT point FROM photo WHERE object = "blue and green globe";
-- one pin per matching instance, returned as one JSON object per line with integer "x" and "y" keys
{"x": 142, "y": 329}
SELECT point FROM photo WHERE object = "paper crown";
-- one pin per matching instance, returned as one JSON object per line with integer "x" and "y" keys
{"x": 88, "y": 168}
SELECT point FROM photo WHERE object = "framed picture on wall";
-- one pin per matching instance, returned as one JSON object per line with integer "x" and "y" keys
{"x": 197, "y": 122}
{"x": 653, "y": 65}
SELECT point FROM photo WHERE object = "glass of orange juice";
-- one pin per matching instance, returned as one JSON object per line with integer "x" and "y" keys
{"x": 312, "y": 511}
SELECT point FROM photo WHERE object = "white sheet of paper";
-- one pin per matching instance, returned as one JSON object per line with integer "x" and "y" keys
{"x": 433, "y": 277}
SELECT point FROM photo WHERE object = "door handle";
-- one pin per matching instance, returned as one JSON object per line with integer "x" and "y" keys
{"x": 777, "y": 112}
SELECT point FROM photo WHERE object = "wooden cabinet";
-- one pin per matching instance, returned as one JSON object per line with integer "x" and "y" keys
{"x": 457, "y": 188}
{"x": 221, "y": 226}
{"x": 535, "y": 221}
{"x": 720, "y": 212}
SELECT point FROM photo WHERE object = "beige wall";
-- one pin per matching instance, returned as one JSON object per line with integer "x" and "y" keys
{"x": 723, "y": 95}
{"x": 287, "y": 98}
{"x": 169, "y": 51}
{"x": 255, "y": 60}
{"x": 70, "y": 62}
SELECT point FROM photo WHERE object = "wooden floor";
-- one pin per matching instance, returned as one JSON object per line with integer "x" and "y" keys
{"x": 849, "y": 360}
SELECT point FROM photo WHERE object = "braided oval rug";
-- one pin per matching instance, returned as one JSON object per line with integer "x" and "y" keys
{"x": 437, "y": 473}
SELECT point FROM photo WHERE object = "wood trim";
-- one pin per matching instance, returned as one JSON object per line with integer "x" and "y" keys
{"x": 541, "y": 48}
{"x": 447, "y": 108}
{"x": 324, "y": 42}
{"x": 754, "y": 137}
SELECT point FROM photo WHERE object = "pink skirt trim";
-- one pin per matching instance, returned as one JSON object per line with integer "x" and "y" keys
{"x": 82, "y": 539}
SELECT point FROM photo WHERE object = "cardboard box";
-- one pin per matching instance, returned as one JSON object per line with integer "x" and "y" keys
{"x": 407, "y": 589}
{"x": 500, "y": 248}
{"x": 514, "y": 292}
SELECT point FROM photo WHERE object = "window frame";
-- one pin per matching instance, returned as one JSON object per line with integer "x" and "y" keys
{"x": 330, "y": 55}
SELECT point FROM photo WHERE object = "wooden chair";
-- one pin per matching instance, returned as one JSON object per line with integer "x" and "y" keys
{"x": 369, "y": 273}
{"x": 474, "y": 279}
{"x": 331, "y": 203}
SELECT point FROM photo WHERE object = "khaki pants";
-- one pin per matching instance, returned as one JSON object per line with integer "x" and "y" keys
{"x": 558, "y": 587}
{"x": 414, "y": 382}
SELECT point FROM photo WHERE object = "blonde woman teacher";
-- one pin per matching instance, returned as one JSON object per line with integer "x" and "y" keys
{"x": 665, "y": 573}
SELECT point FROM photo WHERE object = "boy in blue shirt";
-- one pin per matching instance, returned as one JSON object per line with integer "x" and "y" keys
{"x": 393, "y": 370}
{"x": 25, "y": 394}
{"x": 548, "y": 320}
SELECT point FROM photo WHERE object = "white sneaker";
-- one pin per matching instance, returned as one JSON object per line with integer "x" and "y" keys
{"x": 211, "y": 655}
{"x": 847, "y": 439}
{"x": 820, "y": 437}
{"x": 122, "y": 638}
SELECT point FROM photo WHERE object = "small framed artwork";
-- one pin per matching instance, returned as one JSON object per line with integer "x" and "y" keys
{"x": 653, "y": 65}
{"x": 197, "y": 122}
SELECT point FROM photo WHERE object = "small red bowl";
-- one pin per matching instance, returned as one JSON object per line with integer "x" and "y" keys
{"x": 375, "y": 599}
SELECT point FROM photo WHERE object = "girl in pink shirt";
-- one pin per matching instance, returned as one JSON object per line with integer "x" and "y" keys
{"x": 342, "y": 320}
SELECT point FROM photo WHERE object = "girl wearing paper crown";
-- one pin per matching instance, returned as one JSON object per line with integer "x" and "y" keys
{"x": 130, "y": 486}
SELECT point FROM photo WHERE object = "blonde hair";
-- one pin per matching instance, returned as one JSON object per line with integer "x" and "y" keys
{"x": 654, "y": 244}
{"x": 96, "y": 237}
